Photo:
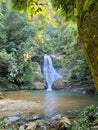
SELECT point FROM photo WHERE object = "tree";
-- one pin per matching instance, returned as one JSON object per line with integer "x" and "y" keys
{"x": 16, "y": 45}
{"x": 87, "y": 19}
{"x": 88, "y": 31}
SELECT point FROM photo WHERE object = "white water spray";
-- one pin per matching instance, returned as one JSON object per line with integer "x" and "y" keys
{"x": 49, "y": 72}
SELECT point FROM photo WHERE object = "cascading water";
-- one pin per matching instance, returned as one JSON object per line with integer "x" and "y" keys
{"x": 49, "y": 72}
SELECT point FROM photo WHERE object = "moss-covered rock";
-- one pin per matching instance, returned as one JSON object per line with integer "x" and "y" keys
{"x": 88, "y": 31}
{"x": 39, "y": 86}
{"x": 37, "y": 80}
{"x": 59, "y": 84}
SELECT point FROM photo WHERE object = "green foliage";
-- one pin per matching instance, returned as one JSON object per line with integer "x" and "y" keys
{"x": 31, "y": 6}
{"x": 89, "y": 113}
{"x": 19, "y": 42}
{"x": 22, "y": 40}
{"x": 3, "y": 125}
{"x": 66, "y": 6}
{"x": 88, "y": 4}
{"x": 88, "y": 119}
{"x": 7, "y": 64}
{"x": 17, "y": 47}
{"x": 73, "y": 7}
{"x": 65, "y": 41}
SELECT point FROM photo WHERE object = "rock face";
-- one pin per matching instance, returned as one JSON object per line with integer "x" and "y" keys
{"x": 59, "y": 84}
{"x": 1, "y": 95}
{"x": 88, "y": 31}
{"x": 38, "y": 81}
{"x": 39, "y": 86}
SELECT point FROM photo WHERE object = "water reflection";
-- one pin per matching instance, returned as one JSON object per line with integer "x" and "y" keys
{"x": 50, "y": 102}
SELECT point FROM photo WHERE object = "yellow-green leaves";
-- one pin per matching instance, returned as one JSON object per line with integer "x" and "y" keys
{"x": 31, "y": 6}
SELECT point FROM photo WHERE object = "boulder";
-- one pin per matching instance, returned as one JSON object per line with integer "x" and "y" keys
{"x": 39, "y": 86}
{"x": 31, "y": 126}
{"x": 37, "y": 125}
{"x": 41, "y": 124}
{"x": 63, "y": 123}
{"x": 21, "y": 128}
{"x": 59, "y": 84}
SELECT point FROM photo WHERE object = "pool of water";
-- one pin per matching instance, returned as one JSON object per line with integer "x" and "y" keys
{"x": 55, "y": 101}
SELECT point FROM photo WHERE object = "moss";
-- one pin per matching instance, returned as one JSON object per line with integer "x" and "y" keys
{"x": 88, "y": 31}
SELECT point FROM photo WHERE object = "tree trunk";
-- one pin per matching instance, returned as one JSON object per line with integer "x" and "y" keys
{"x": 88, "y": 31}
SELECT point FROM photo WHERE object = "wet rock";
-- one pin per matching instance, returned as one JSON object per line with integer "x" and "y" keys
{"x": 42, "y": 128}
{"x": 59, "y": 84}
{"x": 37, "y": 125}
{"x": 78, "y": 90}
{"x": 58, "y": 116}
{"x": 52, "y": 123}
{"x": 26, "y": 118}
{"x": 63, "y": 123}
{"x": 22, "y": 128}
{"x": 11, "y": 120}
{"x": 29, "y": 118}
{"x": 35, "y": 117}
{"x": 41, "y": 124}
{"x": 31, "y": 126}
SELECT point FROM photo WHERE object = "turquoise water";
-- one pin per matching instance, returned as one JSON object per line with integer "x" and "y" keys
{"x": 55, "y": 101}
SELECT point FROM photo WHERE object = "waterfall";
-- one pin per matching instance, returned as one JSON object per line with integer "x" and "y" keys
{"x": 49, "y": 71}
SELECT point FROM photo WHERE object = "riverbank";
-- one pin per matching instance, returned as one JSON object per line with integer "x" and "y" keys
{"x": 9, "y": 107}
{"x": 87, "y": 119}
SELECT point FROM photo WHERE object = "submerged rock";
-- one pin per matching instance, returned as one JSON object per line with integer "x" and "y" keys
{"x": 11, "y": 120}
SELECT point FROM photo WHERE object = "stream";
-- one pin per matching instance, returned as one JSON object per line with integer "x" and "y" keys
{"x": 53, "y": 102}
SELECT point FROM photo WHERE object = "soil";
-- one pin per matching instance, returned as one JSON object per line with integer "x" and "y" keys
{"x": 10, "y": 107}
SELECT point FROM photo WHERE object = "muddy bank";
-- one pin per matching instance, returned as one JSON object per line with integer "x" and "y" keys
{"x": 9, "y": 107}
